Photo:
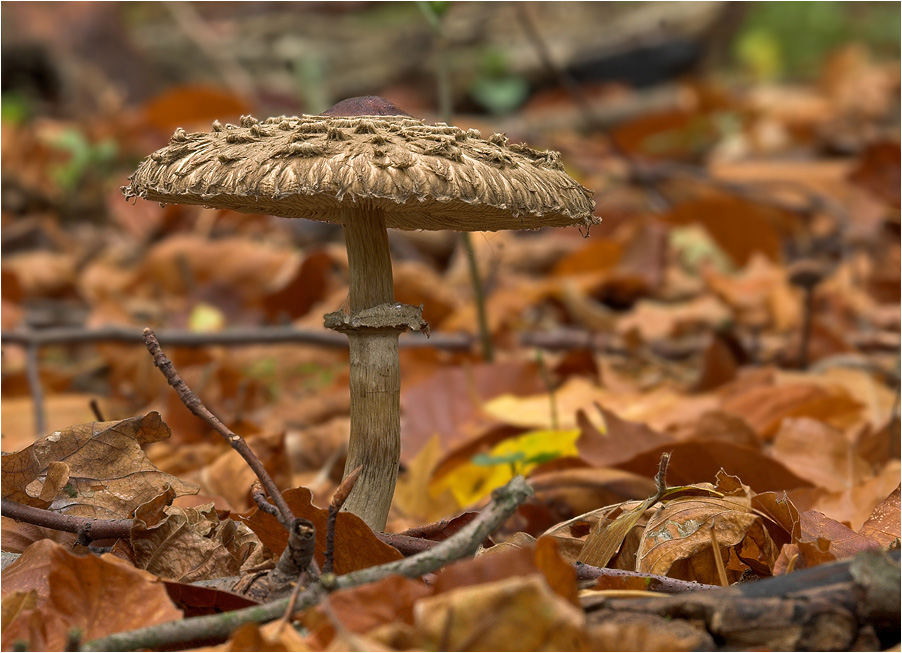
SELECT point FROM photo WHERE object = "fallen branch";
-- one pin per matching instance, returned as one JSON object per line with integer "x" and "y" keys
{"x": 86, "y": 529}
{"x": 249, "y": 336}
{"x": 465, "y": 542}
{"x": 853, "y": 604}
{"x": 656, "y": 583}
{"x": 193, "y": 403}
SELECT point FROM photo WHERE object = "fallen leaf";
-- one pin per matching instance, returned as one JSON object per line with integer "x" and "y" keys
{"x": 844, "y": 542}
{"x": 449, "y": 404}
{"x": 474, "y": 479}
{"x": 189, "y": 545}
{"x": 520, "y": 613}
{"x": 677, "y": 540}
{"x": 819, "y": 453}
{"x": 356, "y": 547}
{"x": 98, "y": 595}
{"x": 413, "y": 495}
{"x": 361, "y": 609}
{"x": 883, "y": 524}
{"x": 109, "y": 474}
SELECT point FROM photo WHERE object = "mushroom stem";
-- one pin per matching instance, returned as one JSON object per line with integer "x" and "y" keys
{"x": 375, "y": 378}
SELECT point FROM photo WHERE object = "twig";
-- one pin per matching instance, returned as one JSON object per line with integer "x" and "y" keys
{"x": 259, "y": 496}
{"x": 338, "y": 500}
{"x": 85, "y": 528}
{"x": 465, "y": 542}
{"x": 295, "y": 559}
{"x": 193, "y": 403}
{"x": 661, "y": 478}
{"x": 33, "y": 372}
{"x": 655, "y": 583}
{"x": 95, "y": 408}
{"x": 407, "y": 544}
{"x": 446, "y": 109}
{"x": 248, "y": 336}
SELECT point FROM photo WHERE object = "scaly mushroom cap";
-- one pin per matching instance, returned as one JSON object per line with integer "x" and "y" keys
{"x": 423, "y": 176}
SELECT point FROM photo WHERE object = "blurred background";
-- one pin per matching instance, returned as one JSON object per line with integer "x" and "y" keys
{"x": 726, "y": 143}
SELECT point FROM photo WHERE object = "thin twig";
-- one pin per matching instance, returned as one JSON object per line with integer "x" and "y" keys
{"x": 465, "y": 542}
{"x": 90, "y": 529}
{"x": 246, "y": 336}
{"x": 193, "y": 403}
{"x": 33, "y": 372}
{"x": 95, "y": 408}
{"x": 259, "y": 496}
{"x": 656, "y": 583}
{"x": 338, "y": 500}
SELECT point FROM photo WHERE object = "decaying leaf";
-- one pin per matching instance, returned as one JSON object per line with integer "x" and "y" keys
{"x": 100, "y": 595}
{"x": 518, "y": 613}
{"x": 883, "y": 525}
{"x": 108, "y": 473}
{"x": 190, "y": 544}
{"x": 677, "y": 540}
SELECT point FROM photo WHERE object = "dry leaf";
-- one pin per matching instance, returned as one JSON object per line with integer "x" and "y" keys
{"x": 677, "y": 540}
{"x": 99, "y": 595}
{"x": 356, "y": 547}
{"x": 191, "y": 544}
{"x": 520, "y": 613}
{"x": 361, "y": 609}
{"x": 109, "y": 474}
{"x": 883, "y": 524}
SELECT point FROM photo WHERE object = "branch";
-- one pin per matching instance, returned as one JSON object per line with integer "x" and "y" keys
{"x": 295, "y": 559}
{"x": 87, "y": 529}
{"x": 338, "y": 500}
{"x": 656, "y": 583}
{"x": 193, "y": 403}
{"x": 465, "y": 542}
{"x": 249, "y": 336}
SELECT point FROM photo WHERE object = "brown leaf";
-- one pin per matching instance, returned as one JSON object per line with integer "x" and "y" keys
{"x": 878, "y": 171}
{"x": 801, "y": 555}
{"x": 883, "y": 525}
{"x": 275, "y": 636}
{"x": 844, "y": 542}
{"x": 110, "y": 475}
{"x": 15, "y": 603}
{"x": 621, "y": 440}
{"x": 196, "y": 600}
{"x": 18, "y": 535}
{"x": 99, "y": 595}
{"x": 449, "y": 403}
{"x": 752, "y": 227}
{"x": 765, "y": 407}
{"x": 695, "y": 461}
{"x": 598, "y": 255}
{"x": 819, "y": 453}
{"x": 184, "y": 106}
{"x": 299, "y": 287}
{"x": 677, "y": 540}
{"x": 361, "y": 609}
{"x": 519, "y": 613}
{"x": 191, "y": 544}
{"x": 413, "y": 495}
{"x": 356, "y": 547}
{"x": 626, "y": 631}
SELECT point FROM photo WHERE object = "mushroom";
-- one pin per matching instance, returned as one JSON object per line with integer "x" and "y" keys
{"x": 367, "y": 165}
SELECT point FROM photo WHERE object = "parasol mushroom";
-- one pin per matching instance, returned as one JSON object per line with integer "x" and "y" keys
{"x": 367, "y": 165}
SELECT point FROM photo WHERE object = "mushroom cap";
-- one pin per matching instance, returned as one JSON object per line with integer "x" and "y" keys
{"x": 317, "y": 167}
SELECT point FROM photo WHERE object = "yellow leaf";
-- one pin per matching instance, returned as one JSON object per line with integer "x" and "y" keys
{"x": 476, "y": 478}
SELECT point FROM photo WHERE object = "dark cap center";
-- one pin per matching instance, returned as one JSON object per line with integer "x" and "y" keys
{"x": 368, "y": 105}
